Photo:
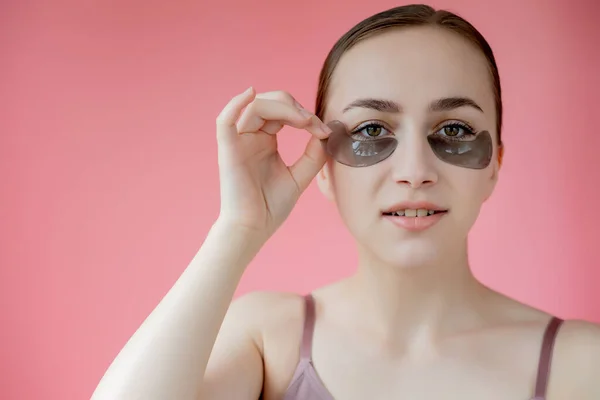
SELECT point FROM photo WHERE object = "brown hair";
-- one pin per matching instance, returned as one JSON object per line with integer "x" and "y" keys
{"x": 407, "y": 16}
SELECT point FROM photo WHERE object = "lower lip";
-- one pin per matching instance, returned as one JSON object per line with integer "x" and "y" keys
{"x": 415, "y": 224}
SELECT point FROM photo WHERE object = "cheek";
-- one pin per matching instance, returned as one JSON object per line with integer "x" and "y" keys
{"x": 470, "y": 189}
{"x": 355, "y": 191}
{"x": 472, "y": 185}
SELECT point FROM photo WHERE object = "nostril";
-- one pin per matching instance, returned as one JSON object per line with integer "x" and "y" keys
{"x": 416, "y": 183}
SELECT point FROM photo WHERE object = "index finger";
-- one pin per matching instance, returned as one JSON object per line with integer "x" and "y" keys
{"x": 269, "y": 116}
{"x": 315, "y": 125}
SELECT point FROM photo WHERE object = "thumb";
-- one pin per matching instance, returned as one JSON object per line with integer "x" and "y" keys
{"x": 227, "y": 119}
{"x": 309, "y": 164}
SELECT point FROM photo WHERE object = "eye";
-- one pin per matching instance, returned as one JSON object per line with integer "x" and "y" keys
{"x": 370, "y": 130}
{"x": 455, "y": 130}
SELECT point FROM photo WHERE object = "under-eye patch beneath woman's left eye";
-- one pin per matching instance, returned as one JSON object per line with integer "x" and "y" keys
{"x": 473, "y": 151}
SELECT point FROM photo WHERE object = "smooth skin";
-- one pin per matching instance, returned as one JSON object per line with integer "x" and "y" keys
{"x": 412, "y": 322}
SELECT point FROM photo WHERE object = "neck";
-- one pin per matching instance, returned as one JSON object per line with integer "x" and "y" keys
{"x": 432, "y": 299}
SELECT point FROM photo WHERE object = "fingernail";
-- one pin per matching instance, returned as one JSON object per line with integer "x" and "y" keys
{"x": 325, "y": 128}
{"x": 306, "y": 113}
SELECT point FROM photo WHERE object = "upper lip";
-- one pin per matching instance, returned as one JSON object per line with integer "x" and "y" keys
{"x": 414, "y": 205}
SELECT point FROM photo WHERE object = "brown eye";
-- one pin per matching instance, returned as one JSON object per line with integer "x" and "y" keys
{"x": 373, "y": 130}
{"x": 370, "y": 131}
{"x": 456, "y": 131}
{"x": 452, "y": 130}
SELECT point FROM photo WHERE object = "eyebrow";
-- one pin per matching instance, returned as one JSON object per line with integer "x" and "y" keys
{"x": 389, "y": 106}
{"x": 450, "y": 103}
{"x": 375, "y": 104}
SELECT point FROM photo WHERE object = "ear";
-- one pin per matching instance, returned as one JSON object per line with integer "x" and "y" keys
{"x": 500, "y": 155}
{"x": 325, "y": 183}
{"x": 497, "y": 164}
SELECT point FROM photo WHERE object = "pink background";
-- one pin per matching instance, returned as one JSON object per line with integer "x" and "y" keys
{"x": 109, "y": 179}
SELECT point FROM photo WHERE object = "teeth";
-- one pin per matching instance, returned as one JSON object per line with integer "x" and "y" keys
{"x": 421, "y": 212}
{"x": 410, "y": 213}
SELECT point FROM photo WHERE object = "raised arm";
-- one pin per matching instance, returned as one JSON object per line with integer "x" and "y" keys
{"x": 167, "y": 357}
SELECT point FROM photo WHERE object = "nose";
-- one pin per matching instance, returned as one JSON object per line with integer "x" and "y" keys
{"x": 413, "y": 164}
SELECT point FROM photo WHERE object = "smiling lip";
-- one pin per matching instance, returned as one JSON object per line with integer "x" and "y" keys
{"x": 415, "y": 224}
{"x": 414, "y": 206}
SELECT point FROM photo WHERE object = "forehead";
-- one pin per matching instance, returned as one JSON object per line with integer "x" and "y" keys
{"x": 412, "y": 66}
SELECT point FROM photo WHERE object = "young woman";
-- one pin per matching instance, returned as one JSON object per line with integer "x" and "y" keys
{"x": 416, "y": 151}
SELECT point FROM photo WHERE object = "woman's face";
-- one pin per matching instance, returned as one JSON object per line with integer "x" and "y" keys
{"x": 409, "y": 72}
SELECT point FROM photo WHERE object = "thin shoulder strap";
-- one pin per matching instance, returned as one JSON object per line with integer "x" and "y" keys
{"x": 309, "y": 326}
{"x": 545, "y": 361}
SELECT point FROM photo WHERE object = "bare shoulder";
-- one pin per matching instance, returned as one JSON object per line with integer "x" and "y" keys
{"x": 265, "y": 314}
{"x": 577, "y": 359}
{"x": 274, "y": 320}
{"x": 265, "y": 310}
{"x": 256, "y": 349}
{"x": 575, "y": 369}
{"x": 581, "y": 338}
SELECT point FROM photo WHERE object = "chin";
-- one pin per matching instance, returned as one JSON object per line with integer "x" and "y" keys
{"x": 414, "y": 255}
{"x": 405, "y": 255}
{"x": 398, "y": 248}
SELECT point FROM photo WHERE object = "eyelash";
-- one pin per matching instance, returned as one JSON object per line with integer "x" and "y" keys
{"x": 356, "y": 135}
{"x": 467, "y": 130}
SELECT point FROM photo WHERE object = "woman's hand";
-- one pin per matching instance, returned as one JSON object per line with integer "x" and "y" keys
{"x": 258, "y": 190}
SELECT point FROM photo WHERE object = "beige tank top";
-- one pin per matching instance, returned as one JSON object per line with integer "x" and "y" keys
{"x": 306, "y": 384}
